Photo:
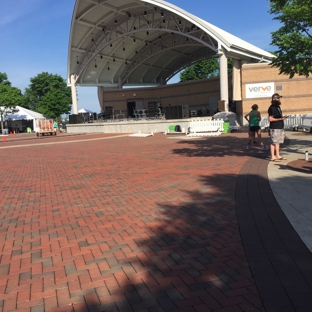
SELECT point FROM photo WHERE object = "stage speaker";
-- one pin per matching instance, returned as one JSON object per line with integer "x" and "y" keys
{"x": 185, "y": 111}
{"x": 177, "y": 112}
{"x": 72, "y": 119}
{"x": 75, "y": 119}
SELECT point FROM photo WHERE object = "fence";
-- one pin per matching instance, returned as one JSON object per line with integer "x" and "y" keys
{"x": 203, "y": 127}
{"x": 292, "y": 122}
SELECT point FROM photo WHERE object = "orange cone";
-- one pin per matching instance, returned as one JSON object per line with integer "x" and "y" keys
{"x": 14, "y": 133}
{"x": 4, "y": 139}
{"x": 10, "y": 132}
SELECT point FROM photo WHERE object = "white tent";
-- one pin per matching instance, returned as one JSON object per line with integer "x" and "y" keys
{"x": 25, "y": 114}
{"x": 84, "y": 110}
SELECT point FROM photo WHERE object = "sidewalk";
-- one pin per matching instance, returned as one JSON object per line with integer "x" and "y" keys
{"x": 291, "y": 182}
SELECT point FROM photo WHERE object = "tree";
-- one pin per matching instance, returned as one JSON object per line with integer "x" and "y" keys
{"x": 49, "y": 95}
{"x": 10, "y": 97}
{"x": 4, "y": 79}
{"x": 294, "y": 38}
{"x": 204, "y": 69}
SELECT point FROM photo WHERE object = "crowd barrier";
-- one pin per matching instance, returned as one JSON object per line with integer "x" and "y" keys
{"x": 293, "y": 122}
{"x": 205, "y": 127}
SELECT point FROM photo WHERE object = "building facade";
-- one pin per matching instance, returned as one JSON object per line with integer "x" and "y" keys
{"x": 296, "y": 92}
{"x": 258, "y": 83}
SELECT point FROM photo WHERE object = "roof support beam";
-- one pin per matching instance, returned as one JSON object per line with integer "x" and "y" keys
{"x": 224, "y": 85}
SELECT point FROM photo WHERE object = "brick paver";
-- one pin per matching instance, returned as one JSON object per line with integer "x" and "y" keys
{"x": 112, "y": 223}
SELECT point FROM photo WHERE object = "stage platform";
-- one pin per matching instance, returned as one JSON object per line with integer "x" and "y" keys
{"x": 131, "y": 126}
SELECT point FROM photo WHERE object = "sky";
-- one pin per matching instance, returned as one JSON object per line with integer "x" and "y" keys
{"x": 34, "y": 35}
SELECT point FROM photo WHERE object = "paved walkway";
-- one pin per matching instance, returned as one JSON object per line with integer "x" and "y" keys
{"x": 112, "y": 223}
{"x": 279, "y": 260}
{"x": 291, "y": 182}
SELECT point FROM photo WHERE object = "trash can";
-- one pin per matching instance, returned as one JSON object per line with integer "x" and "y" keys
{"x": 5, "y": 131}
{"x": 226, "y": 127}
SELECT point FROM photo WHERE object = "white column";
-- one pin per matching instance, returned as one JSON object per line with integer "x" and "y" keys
{"x": 74, "y": 94}
{"x": 224, "y": 84}
{"x": 236, "y": 80}
{"x": 101, "y": 97}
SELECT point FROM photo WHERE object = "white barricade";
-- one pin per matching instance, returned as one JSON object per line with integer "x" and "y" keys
{"x": 264, "y": 123}
{"x": 292, "y": 122}
{"x": 205, "y": 127}
{"x": 306, "y": 124}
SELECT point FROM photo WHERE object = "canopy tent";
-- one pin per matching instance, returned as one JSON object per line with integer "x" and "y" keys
{"x": 84, "y": 110}
{"x": 24, "y": 114}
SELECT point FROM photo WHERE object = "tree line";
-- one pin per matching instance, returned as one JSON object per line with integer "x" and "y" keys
{"x": 47, "y": 94}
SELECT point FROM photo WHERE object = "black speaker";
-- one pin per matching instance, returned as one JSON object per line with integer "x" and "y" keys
{"x": 177, "y": 112}
{"x": 185, "y": 111}
{"x": 72, "y": 119}
{"x": 75, "y": 119}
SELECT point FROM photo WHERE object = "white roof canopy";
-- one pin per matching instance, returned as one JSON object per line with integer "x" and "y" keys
{"x": 84, "y": 110}
{"x": 24, "y": 114}
{"x": 144, "y": 42}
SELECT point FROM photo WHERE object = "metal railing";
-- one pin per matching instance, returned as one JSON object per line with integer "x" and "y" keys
{"x": 292, "y": 122}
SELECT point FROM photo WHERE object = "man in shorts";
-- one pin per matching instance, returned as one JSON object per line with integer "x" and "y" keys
{"x": 276, "y": 127}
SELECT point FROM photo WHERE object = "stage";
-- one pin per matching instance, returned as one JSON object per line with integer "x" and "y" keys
{"x": 131, "y": 125}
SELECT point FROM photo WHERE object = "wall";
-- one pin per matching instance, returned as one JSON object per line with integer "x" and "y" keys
{"x": 194, "y": 94}
{"x": 143, "y": 126}
{"x": 296, "y": 92}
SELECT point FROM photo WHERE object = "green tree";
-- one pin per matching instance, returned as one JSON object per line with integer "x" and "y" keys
{"x": 4, "y": 79}
{"x": 294, "y": 38}
{"x": 49, "y": 95}
{"x": 204, "y": 69}
{"x": 10, "y": 97}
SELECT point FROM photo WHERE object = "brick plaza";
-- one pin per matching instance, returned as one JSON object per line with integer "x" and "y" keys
{"x": 112, "y": 223}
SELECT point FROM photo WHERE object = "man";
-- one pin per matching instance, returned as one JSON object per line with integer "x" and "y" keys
{"x": 276, "y": 127}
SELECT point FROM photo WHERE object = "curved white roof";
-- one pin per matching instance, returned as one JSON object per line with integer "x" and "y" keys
{"x": 144, "y": 42}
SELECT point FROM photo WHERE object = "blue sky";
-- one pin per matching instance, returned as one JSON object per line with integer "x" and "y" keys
{"x": 34, "y": 35}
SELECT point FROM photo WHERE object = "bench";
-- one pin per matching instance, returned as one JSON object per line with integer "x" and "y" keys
{"x": 206, "y": 127}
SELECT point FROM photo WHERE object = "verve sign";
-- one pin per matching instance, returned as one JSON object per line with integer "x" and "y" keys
{"x": 259, "y": 90}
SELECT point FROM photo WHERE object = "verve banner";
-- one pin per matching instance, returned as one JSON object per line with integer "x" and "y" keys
{"x": 259, "y": 90}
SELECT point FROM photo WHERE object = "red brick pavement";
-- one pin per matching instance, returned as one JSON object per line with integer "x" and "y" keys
{"x": 112, "y": 223}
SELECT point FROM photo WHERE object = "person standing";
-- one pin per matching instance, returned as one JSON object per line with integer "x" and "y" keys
{"x": 55, "y": 126}
{"x": 254, "y": 118}
{"x": 276, "y": 127}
